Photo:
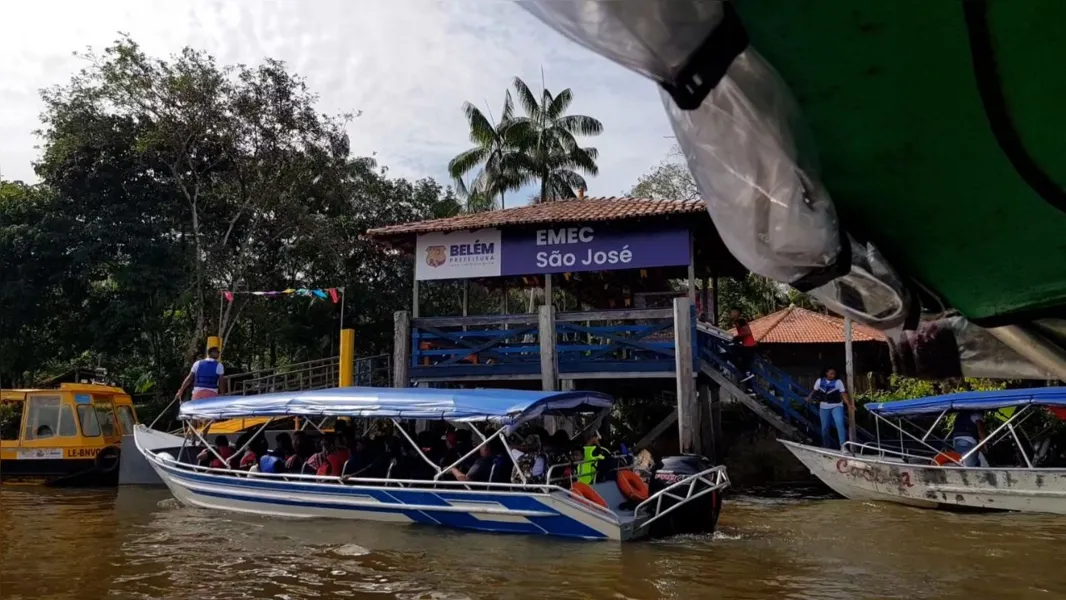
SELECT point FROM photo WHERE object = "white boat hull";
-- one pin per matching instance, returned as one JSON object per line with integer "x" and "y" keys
{"x": 496, "y": 508}
{"x": 866, "y": 478}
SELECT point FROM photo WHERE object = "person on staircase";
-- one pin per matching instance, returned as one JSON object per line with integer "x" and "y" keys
{"x": 744, "y": 344}
{"x": 831, "y": 396}
{"x": 205, "y": 377}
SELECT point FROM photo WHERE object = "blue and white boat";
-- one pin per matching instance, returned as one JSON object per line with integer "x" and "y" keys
{"x": 684, "y": 496}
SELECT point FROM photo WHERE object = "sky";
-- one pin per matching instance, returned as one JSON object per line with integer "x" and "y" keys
{"x": 407, "y": 65}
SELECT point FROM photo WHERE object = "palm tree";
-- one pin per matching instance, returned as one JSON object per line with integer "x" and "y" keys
{"x": 495, "y": 150}
{"x": 546, "y": 136}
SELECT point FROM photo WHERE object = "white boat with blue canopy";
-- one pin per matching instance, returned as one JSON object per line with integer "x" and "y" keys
{"x": 683, "y": 493}
{"x": 995, "y": 450}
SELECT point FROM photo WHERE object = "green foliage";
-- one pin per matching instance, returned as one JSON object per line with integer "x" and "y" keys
{"x": 907, "y": 388}
{"x": 164, "y": 181}
{"x": 670, "y": 180}
{"x": 10, "y": 420}
{"x": 539, "y": 147}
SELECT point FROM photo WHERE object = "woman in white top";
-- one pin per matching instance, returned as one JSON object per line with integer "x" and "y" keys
{"x": 831, "y": 396}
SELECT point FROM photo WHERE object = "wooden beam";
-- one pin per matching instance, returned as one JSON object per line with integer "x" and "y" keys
{"x": 401, "y": 348}
{"x": 615, "y": 315}
{"x": 549, "y": 364}
{"x": 691, "y": 268}
{"x": 849, "y": 370}
{"x": 687, "y": 408}
{"x": 656, "y": 431}
{"x": 474, "y": 321}
{"x": 756, "y": 406}
{"x": 414, "y": 300}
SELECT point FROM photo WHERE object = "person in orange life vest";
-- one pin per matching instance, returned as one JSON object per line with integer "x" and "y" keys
{"x": 744, "y": 342}
{"x": 205, "y": 377}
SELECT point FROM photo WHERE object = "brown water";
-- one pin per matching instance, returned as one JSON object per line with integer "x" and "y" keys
{"x": 140, "y": 543}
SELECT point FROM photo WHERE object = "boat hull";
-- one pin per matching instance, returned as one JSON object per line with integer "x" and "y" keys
{"x": 864, "y": 478}
{"x": 497, "y": 512}
{"x": 58, "y": 472}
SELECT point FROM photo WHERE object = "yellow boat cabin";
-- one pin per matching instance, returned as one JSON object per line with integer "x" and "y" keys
{"x": 65, "y": 436}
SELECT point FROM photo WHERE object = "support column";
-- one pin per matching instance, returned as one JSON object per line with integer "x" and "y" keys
{"x": 706, "y": 430}
{"x": 849, "y": 370}
{"x": 414, "y": 300}
{"x": 714, "y": 299}
{"x": 401, "y": 349}
{"x": 549, "y": 365}
{"x": 687, "y": 407}
{"x": 691, "y": 269}
{"x": 347, "y": 358}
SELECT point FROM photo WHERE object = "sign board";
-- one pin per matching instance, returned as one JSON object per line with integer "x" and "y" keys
{"x": 39, "y": 453}
{"x": 592, "y": 247}
{"x": 458, "y": 255}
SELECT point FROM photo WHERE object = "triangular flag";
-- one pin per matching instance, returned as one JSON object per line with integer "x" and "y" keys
{"x": 334, "y": 295}
{"x": 289, "y": 291}
{"x": 319, "y": 294}
{"x": 228, "y": 296}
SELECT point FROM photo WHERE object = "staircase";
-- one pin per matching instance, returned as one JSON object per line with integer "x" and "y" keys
{"x": 777, "y": 398}
{"x": 312, "y": 375}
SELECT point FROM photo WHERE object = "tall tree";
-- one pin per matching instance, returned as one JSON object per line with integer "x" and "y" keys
{"x": 495, "y": 152}
{"x": 550, "y": 153}
{"x": 669, "y": 180}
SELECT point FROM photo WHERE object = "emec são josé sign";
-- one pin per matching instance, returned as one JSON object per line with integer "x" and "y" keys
{"x": 563, "y": 249}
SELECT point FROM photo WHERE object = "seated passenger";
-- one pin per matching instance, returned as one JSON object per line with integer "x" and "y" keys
{"x": 222, "y": 448}
{"x": 256, "y": 449}
{"x": 531, "y": 460}
{"x": 302, "y": 450}
{"x": 451, "y": 452}
{"x": 482, "y": 469}
{"x": 273, "y": 461}
{"x": 334, "y": 455}
{"x": 360, "y": 459}
{"x": 44, "y": 431}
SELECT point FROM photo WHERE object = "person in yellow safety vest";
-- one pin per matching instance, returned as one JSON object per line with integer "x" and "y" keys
{"x": 593, "y": 454}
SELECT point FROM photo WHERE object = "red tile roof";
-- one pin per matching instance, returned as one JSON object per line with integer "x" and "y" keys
{"x": 795, "y": 325}
{"x": 560, "y": 211}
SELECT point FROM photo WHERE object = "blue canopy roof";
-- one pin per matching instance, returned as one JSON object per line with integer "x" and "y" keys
{"x": 511, "y": 406}
{"x": 1045, "y": 396}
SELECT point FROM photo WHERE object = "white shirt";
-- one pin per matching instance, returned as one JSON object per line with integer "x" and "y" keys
{"x": 219, "y": 370}
{"x": 837, "y": 386}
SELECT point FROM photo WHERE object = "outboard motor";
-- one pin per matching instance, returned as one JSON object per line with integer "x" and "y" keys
{"x": 698, "y": 516}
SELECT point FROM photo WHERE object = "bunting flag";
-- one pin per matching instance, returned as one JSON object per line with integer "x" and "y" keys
{"x": 333, "y": 294}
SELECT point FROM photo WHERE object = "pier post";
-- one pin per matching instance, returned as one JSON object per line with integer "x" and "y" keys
{"x": 347, "y": 358}
{"x": 549, "y": 364}
{"x": 687, "y": 407}
{"x": 401, "y": 349}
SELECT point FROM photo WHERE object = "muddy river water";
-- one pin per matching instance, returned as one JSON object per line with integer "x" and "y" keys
{"x": 140, "y": 543}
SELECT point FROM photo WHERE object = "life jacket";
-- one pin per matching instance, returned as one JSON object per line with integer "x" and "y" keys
{"x": 827, "y": 391}
{"x": 334, "y": 464}
{"x": 586, "y": 471}
{"x": 206, "y": 375}
{"x": 269, "y": 463}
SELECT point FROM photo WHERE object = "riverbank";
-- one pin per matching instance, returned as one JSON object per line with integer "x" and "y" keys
{"x": 139, "y": 543}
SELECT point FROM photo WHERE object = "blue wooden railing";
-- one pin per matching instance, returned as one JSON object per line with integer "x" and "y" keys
{"x": 771, "y": 385}
{"x": 622, "y": 341}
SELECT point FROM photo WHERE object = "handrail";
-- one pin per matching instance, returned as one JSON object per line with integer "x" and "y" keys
{"x": 721, "y": 481}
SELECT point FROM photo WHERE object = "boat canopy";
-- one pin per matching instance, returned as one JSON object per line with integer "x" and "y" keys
{"x": 1046, "y": 396}
{"x": 509, "y": 406}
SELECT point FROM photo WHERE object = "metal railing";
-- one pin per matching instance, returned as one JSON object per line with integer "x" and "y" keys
{"x": 311, "y": 375}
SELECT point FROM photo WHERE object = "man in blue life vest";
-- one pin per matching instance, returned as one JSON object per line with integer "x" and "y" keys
{"x": 205, "y": 377}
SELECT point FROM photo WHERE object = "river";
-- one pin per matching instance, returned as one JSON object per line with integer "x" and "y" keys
{"x": 140, "y": 543}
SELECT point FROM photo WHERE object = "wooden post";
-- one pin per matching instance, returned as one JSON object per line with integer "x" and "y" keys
{"x": 347, "y": 358}
{"x": 548, "y": 290}
{"x": 706, "y": 300}
{"x": 849, "y": 370}
{"x": 705, "y": 431}
{"x": 691, "y": 269}
{"x": 687, "y": 409}
{"x": 549, "y": 365}
{"x": 466, "y": 297}
{"x": 401, "y": 349}
{"x": 717, "y": 443}
{"x": 714, "y": 299}
{"x": 414, "y": 300}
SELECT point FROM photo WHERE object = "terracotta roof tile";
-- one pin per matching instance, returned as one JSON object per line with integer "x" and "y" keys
{"x": 560, "y": 211}
{"x": 795, "y": 325}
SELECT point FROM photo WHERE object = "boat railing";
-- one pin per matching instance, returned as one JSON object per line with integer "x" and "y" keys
{"x": 714, "y": 478}
{"x": 511, "y": 488}
{"x": 859, "y": 449}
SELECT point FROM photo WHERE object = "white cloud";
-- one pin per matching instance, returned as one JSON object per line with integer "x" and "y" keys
{"x": 408, "y": 65}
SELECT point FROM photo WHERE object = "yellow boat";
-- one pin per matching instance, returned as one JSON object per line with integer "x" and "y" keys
{"x": 65, "y": 436}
